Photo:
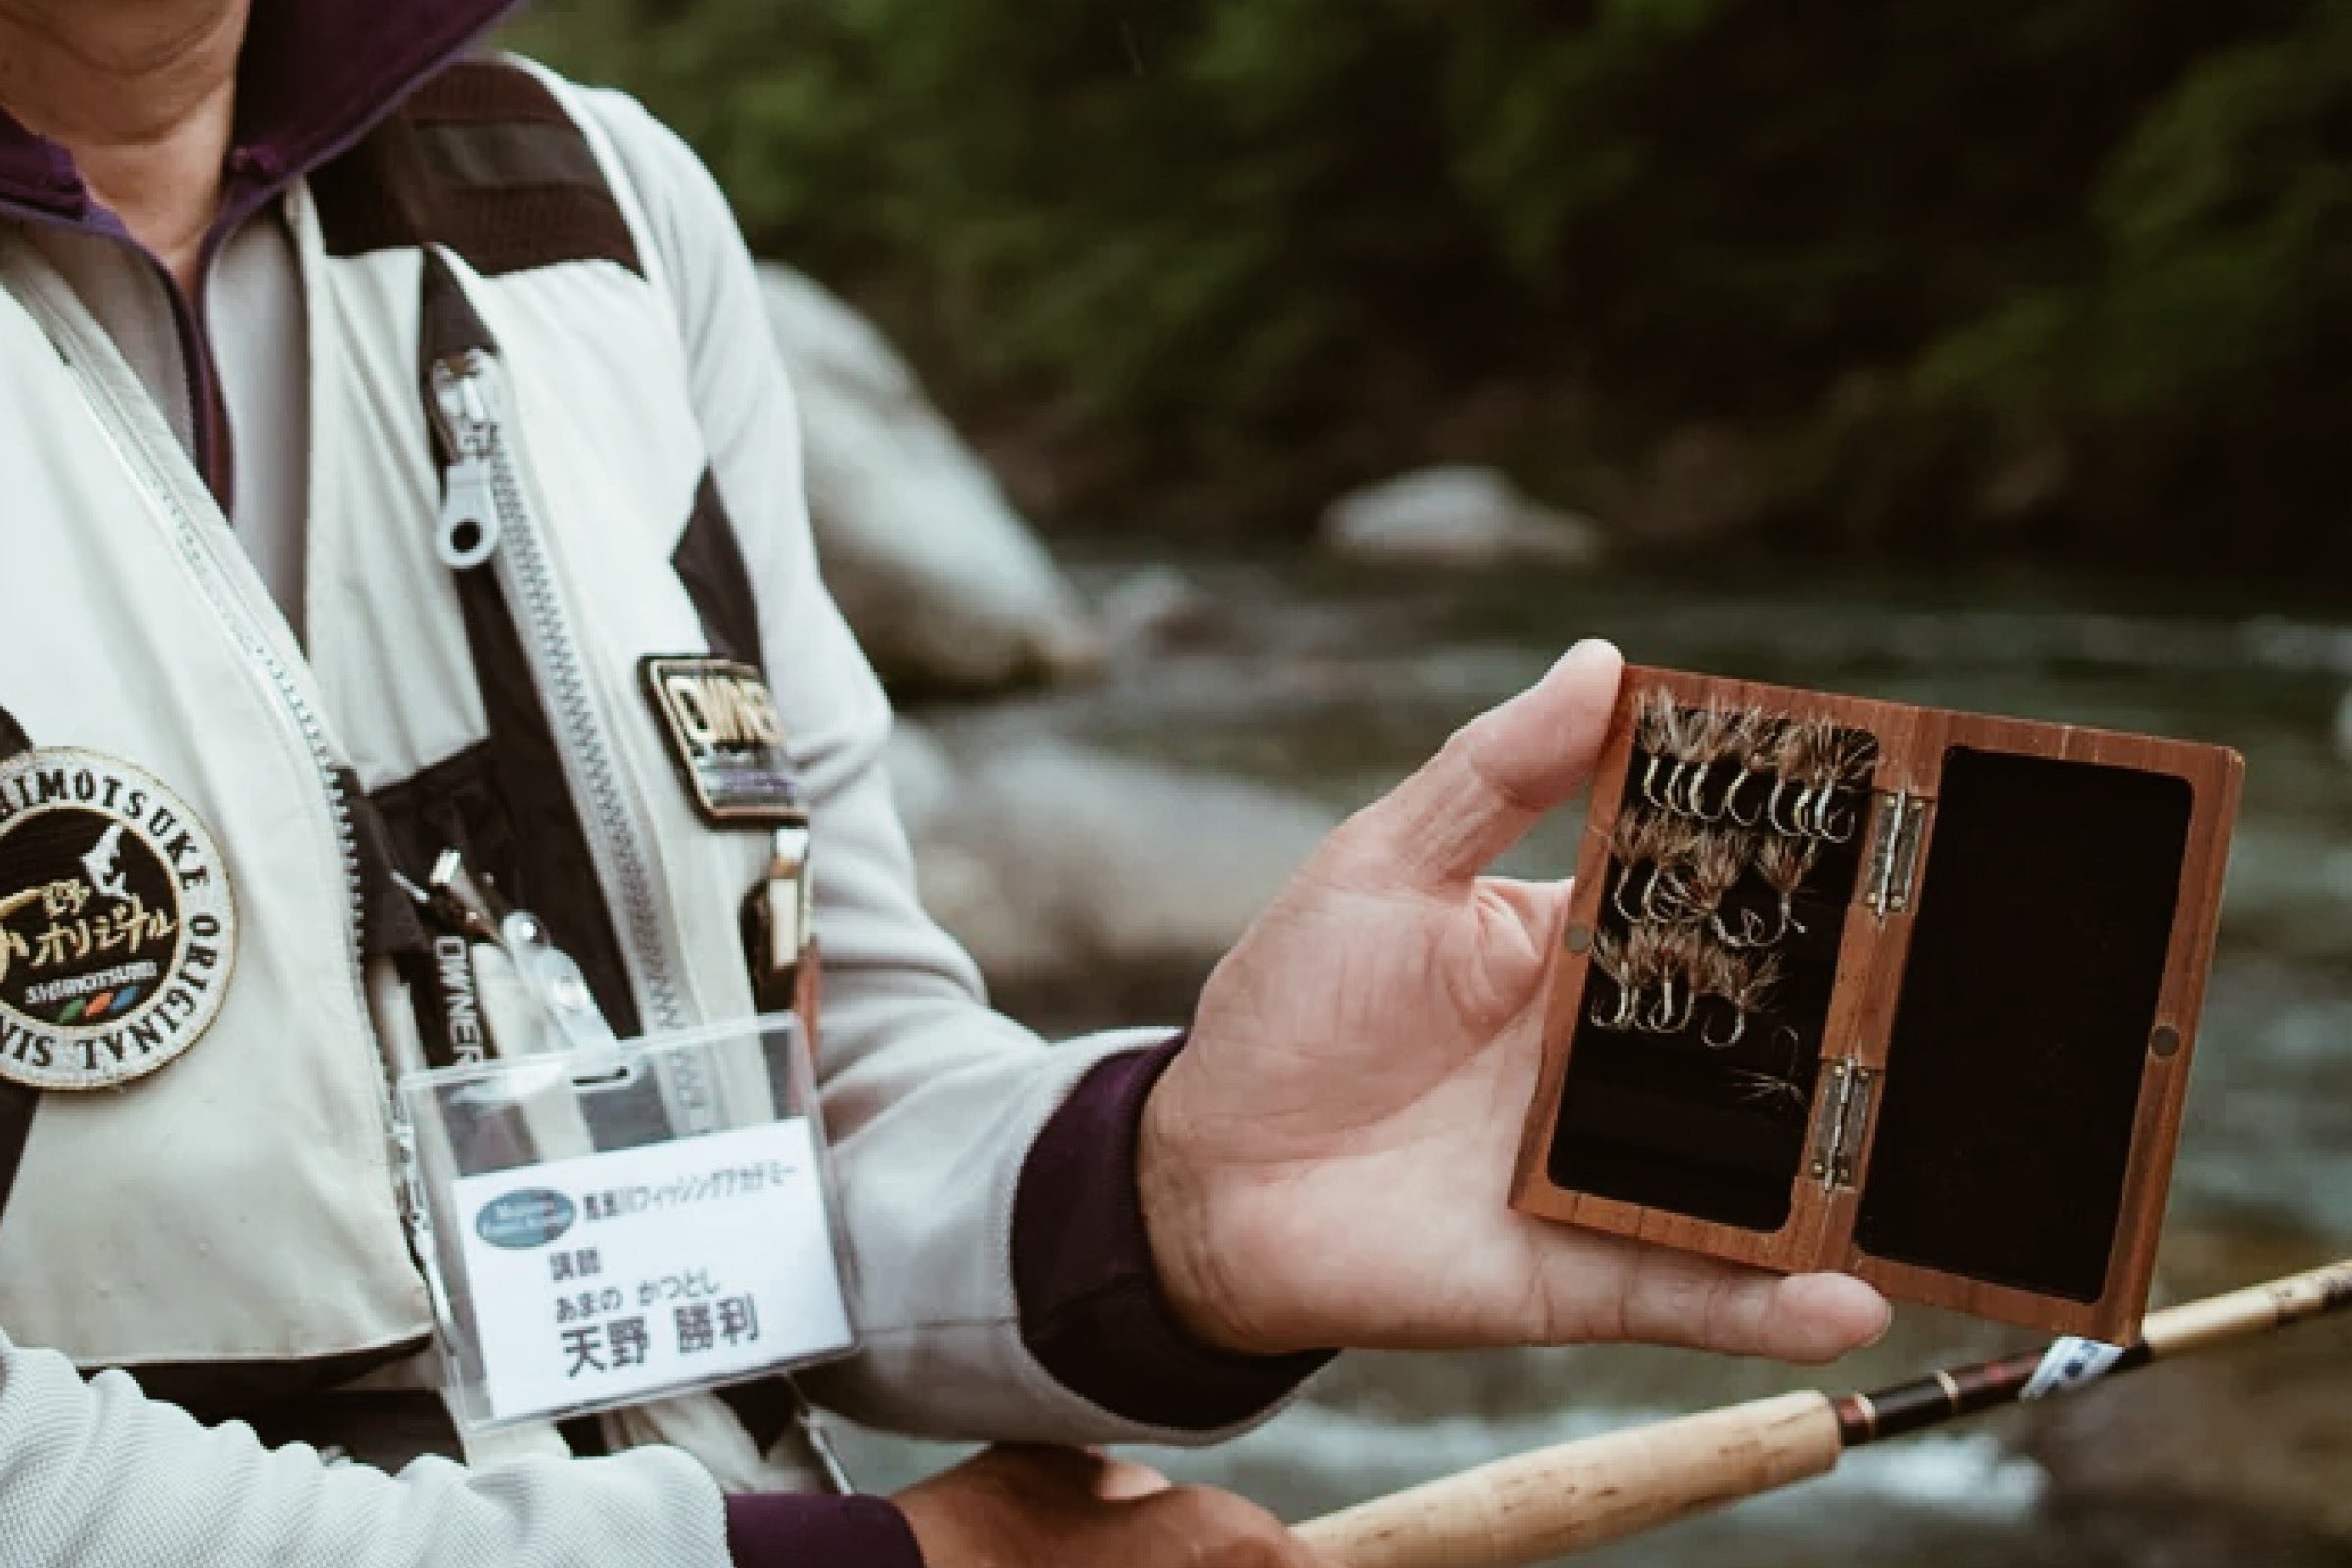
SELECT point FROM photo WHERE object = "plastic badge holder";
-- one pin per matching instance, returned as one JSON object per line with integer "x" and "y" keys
{"x": 610, "y": 1225}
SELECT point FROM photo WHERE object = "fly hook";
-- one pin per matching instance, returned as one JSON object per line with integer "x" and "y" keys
{"x": 1784, "y": 864}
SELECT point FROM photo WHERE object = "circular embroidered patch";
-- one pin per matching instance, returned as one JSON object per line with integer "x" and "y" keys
{"x": 117, "y": 928}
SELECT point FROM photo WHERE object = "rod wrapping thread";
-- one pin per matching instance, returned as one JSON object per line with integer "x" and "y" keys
{"x": 1578, "y": 1496}
{"x": 1931, "y": 1401}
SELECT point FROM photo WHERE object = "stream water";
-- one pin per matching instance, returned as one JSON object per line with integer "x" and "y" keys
{"x": 1335, "y": 681}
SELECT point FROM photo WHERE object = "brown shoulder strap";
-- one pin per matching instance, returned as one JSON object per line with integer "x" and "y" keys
{"x": 484, "y": 160}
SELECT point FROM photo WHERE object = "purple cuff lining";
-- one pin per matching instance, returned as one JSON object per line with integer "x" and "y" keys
{"x": 1091, "y": 1309}
{"x": 776, "y": 1529}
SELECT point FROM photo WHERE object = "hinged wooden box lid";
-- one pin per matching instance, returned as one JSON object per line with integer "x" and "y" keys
{"x": 1899, "y": 990}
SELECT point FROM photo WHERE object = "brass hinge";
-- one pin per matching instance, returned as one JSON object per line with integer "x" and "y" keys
{"x": 1896, "y": 821}
{"x": 1841, "y": 1122}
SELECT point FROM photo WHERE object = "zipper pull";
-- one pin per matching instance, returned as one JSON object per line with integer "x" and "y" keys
{"x": 471, "y": 909}
{"x": 779, "y": 920}
{"x": 470, "y": 526}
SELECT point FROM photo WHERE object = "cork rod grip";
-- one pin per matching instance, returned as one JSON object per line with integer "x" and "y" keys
{"x": 1582, "y": 1495}
{"x": 2255, "y": 1310}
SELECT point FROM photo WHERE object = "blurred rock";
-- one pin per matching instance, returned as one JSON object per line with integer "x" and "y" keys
{"x": 1158, "y": 607}
{"x": 1707, "y": 482}
{"x": 944, "y": 584}
{"x": 2030, "y": 481}
{"x": 1456, "y": 515}
{"x": 1087, "y": 885}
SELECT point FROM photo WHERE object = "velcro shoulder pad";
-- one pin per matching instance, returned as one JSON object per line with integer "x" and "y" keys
{"x": 481, "y": 159}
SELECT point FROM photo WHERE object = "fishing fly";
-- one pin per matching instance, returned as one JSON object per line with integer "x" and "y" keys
{"x": 1729, "y": 818}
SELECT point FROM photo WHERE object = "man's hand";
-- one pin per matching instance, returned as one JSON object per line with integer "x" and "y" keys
{"x": 1327, "y": 1162}
{"x": 1043, "y": 1508}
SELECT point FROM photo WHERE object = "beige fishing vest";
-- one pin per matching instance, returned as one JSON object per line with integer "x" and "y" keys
{"x": 238, "y": 1206}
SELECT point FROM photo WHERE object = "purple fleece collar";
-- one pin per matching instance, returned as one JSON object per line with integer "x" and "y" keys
{"x": 36, "y": 171}
{"x": 315, "y": 76}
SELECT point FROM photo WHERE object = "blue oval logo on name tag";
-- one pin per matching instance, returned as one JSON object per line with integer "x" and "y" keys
{"x": 530, "y": 1217}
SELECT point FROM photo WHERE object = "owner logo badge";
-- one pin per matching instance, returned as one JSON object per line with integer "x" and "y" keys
{"x": 726, "y": 738}
{"x": 117, "y": 924}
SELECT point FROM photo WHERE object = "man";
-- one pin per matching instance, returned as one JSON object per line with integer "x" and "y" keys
{"x": 236, "y": 229}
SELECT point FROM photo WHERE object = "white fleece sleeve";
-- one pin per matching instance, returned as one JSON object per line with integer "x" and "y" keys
{"x": 96, "y": 1476}
{"x": 932, "y": 1100}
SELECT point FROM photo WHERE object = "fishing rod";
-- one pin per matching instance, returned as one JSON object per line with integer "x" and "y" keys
{"x": 1577, "y": 1496}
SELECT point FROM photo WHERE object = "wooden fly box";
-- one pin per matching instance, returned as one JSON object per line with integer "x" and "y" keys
{"x": 1898, "y": 991}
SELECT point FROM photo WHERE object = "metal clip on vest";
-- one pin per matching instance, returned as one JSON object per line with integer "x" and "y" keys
{"x": 779, "y": 920}
{"x": 475, "y": 912}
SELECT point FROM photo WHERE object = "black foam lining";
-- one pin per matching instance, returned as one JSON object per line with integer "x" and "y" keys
{"x": 2044, "y": 914}
{"x": 1670, "y": 1123}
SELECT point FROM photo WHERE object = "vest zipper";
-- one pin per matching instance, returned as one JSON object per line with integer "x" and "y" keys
{"x": 240, "y": 618}
{"x": 485, "y": 519}
{"x": 135, "y": 432}
{"x": 486, "y": 516}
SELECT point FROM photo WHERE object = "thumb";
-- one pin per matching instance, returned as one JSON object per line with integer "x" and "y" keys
{"x": 1497, "y": 775}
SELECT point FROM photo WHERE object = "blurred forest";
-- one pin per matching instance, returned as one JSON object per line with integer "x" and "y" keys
{"x": 2045, "y": 280}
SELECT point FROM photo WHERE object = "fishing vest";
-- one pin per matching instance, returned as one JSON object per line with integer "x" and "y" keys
{"x": 522, "y": 583}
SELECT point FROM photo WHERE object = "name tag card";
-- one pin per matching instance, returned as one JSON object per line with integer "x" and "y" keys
{"x": 613, "y": 1276}
{"x": 606, "y": 1226}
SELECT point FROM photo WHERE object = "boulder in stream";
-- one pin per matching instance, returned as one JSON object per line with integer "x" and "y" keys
{"x": 1092, "y": 886}
{"x": 1158, "y": 607}
{"x": 943, "y": 582}
{"x": 1456, "y": 515}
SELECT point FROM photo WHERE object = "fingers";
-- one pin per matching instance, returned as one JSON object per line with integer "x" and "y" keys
{"x": 1826, "y": 1316}
{"x": 1118, "y": 1481}
{"x": 1495, "y": 776}
{"x": 1676, "y": 1298}
{"x": 1224, "y": 1531}
{"x": 1078, "y": 1472}
{"x": 1044, "y": 1508}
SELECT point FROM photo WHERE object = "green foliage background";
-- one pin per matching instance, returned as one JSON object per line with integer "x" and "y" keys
{"x": 1957, "y": 278}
